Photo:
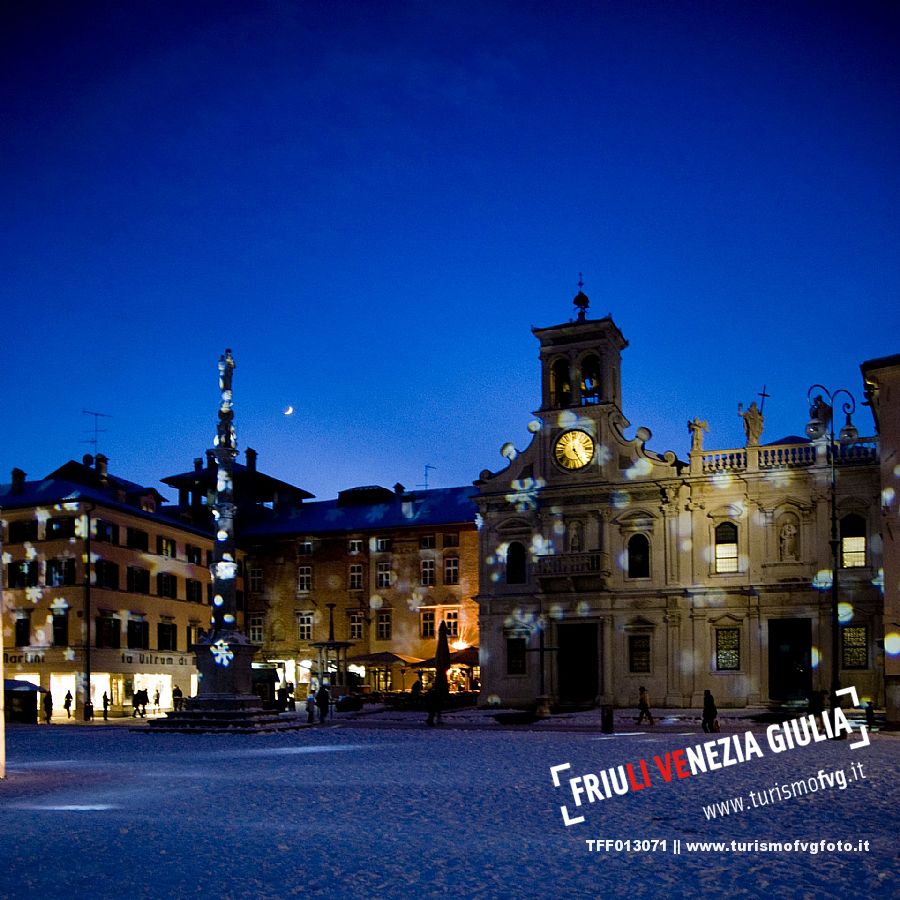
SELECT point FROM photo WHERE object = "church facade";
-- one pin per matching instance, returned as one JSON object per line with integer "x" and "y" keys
{"x": 606, "y": 567}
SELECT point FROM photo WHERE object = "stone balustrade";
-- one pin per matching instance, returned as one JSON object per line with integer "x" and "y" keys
{"x": 784, "y": 456}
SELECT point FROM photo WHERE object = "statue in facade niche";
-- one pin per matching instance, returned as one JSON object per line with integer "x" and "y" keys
{"x": 788, "y": 541}
{"x": 753, "y": 423}
{"x": 696, "y": 427}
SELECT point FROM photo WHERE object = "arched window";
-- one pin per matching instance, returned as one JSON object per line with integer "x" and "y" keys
{"x": 853, "y": 542}
{"x": 560, "y": 384}
{"x": 515, "y": 563}
{"x": 590, "y": 381}
{"x": 638, "y": 556}
{"x": 726, "y": 547}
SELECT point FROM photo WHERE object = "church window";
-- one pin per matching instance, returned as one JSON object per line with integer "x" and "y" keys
{"x": 638, "y": 556}
{"x": 726, "y": 548}
{"x": 639, "y": 653}
{"x": 853, "y": 542}
{"x": 515, "y": 656}
{"x": 728, "y": 649}
{"x": 515, "y": 563}
{"x": 590, "y": 381}
{"x": 854, "y": 647}
{"x": 561, "y": 387}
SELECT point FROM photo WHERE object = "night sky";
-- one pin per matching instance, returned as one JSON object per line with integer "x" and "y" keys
{"x": 371, "y": 203}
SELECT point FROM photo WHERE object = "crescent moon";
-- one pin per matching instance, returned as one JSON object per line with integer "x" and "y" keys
{"x": 289, "y": 411}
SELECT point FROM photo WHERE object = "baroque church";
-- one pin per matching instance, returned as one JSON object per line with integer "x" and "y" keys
{"x": 606, "y": 567}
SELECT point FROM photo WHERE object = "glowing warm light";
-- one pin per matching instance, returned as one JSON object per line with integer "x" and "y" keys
{"x": 892, "y": 643}
{"x": 845, "y": 613}
{"x": 459, "y": 645}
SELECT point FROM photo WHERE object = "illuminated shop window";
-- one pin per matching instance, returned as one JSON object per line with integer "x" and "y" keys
{"x": 304, "y": 626}
{"x": 451, "y": 570}
{"x": 304, "y": 578}
{"x": 855, "y": 647}
{"x": 355, "y": 580}
{"x": 728, "y": 649}
{"x": 639, "y": 653}
{"x": 426, "y": 621}
{"x": 426, "y": 567}
{"x": 384, "y": 625}
{"x": 356, "y": 626}
{"x": 638, "y": 556}
{"x": 383, "y": 575}
{"x": 853, "y": 542}
{"x": 515, "y": 656}
{"x": 23, "y": 628}
{"x": 726, "y": 548}
{"x": 515, "y": 563}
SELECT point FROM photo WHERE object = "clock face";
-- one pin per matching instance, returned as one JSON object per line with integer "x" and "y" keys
{"x": 574, "y": 449}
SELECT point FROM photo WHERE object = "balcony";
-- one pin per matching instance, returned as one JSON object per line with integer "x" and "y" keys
{"x": 573, "y": 571}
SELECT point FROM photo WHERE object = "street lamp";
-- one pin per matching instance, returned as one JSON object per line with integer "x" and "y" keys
{"x": 821, "y": 423}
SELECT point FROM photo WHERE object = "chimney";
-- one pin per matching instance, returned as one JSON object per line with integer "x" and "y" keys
{"x": 101, "y": 464}
{"x": 198, "y": 463}
{"x": 18, "y": 481}
{"x": 251, "y": 459}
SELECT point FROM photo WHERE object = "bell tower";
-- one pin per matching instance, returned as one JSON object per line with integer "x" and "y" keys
{"x": 581, "y": 361}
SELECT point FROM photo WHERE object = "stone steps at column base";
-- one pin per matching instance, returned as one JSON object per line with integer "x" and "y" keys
{"x": 227, "y": 721}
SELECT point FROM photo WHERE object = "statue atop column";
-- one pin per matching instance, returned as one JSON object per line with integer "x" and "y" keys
{"x": 696, "y": 427}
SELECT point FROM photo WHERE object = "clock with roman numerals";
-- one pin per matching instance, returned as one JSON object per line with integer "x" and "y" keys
{"x": 574, "y": 449}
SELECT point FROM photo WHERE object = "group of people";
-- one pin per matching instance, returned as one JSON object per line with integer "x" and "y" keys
{"x": 709, "y": 720}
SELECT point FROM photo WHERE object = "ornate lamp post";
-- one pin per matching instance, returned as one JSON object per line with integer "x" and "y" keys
{"x": 822, "y": 423}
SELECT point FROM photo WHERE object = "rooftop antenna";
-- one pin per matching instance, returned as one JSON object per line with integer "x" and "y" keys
{"x": 427, "y": 467}
{"x": 97, "y": 430}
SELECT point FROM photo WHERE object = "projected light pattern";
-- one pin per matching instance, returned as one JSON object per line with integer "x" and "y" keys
{"x": 892, "y": 643}
{"x": 524, "y": 495}
{"x": 222, "y": 653}
{"x": 845, "y": 613}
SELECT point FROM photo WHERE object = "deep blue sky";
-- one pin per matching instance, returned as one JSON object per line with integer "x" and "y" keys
{"x": 371, "y": 203}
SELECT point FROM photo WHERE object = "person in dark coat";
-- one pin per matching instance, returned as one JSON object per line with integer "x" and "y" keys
{"x": 644, "y": 706}
{"x": 48, "y": 706}
{"x": 323, "y": 698}
{"x": 67, "y": 704}
{"x": 311, "y": 709}
{"x": 105, "y": 707}
{"x": 710, "y": 712}
{"x": 177, "y": 698}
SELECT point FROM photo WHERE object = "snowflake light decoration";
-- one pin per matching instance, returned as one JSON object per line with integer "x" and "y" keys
{"x": 222, "y": 653}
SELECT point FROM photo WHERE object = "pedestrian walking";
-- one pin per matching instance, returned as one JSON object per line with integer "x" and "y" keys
{"x": 48, "y": 707}
{"x": 105, "y": 707}
{"x": 323, "y": 698}
{"x": 156, "y": 699}
{"x": 67, "y": 704}
{"x": 177, "y": 698}
{"x": 710, "y": 713}
{"x": 644, "y": 706}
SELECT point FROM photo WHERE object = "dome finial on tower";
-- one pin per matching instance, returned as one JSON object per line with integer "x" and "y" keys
{"x": 580, "y": 300}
